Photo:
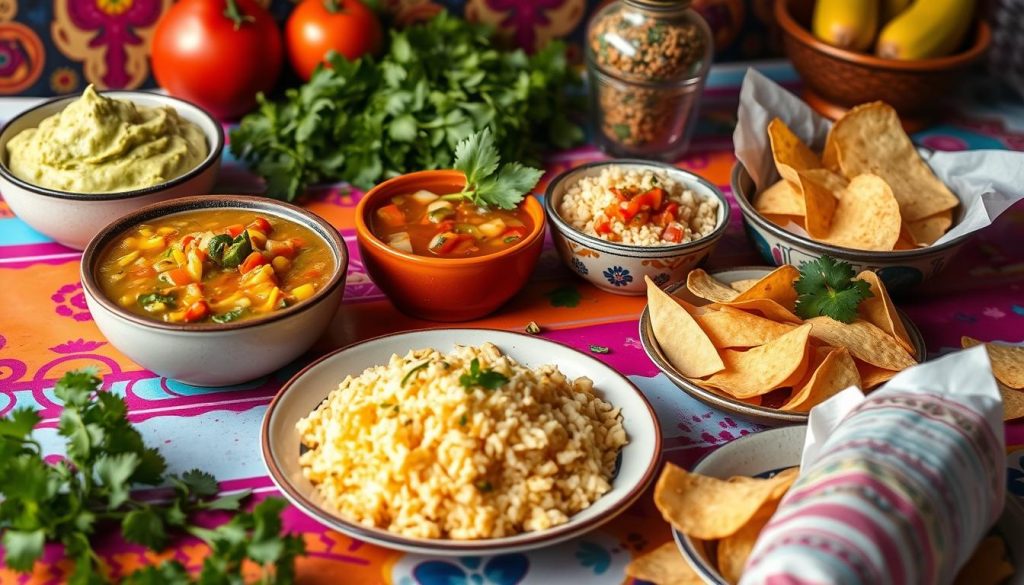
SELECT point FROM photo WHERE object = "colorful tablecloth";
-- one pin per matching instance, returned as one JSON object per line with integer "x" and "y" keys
{"x": 46, "y": 329}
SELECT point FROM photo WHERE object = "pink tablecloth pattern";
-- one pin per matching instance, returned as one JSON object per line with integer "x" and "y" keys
{"x": 46, "y": 329}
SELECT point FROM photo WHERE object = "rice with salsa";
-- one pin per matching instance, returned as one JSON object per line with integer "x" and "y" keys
{"x": 638, "y": 207}
{"x": 432, "y": 446}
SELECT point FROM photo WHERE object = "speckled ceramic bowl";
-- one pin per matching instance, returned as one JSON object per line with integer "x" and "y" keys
{"x": 900, "y": 269}
{"x": 74, "y": 218}
{"x": 620, "y": 268}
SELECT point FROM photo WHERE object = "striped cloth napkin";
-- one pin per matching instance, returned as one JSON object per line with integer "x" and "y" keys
{"x": 896, "y": 488}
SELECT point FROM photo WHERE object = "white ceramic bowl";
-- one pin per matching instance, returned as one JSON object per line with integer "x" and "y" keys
{"x": 900, "y": 269}
{"x": 760, "y": 414}
{"x": 212, "y": 354}
{"x": 74, "y": 218}
{"x": 638, "y": 460}
{"x": 620, "y": 268}
{"x": 765, "y": 453}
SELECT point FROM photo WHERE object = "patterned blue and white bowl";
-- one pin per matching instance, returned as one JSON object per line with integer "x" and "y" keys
{"x": 620, "y": 268}
{"x": 900, "y": 269}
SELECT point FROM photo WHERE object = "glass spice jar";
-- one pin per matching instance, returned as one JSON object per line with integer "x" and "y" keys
{"x": 646, "y": 64}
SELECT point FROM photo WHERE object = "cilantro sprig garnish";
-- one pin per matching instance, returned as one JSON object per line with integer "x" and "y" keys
{"x": 826, "y": 287}
{"x": 485, "y": 378}
{"x": 89, "y": 492}
{"x": 487, "y": 184}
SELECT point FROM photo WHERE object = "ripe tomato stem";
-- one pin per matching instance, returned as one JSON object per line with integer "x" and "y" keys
{"x": 235, "y": 15}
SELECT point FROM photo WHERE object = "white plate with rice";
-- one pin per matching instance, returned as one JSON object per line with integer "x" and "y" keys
{"x": 412, "y": 451}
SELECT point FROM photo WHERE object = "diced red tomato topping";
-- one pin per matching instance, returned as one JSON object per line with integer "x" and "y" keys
{"x": 668, "y": 215}
{"x": 391, "y": 215}
{"x": 619, "y": 194}
{"x": 673, "y": 233}
{"x": 604, "y": 227}
{"x": 196, "y": 311}
{"x": 252, "y": 261}
{"x": 650, "y": 200}
{"x": 262, "y": 225}
{"x": 234, "y": 230}
{"x": 444, "y": 242}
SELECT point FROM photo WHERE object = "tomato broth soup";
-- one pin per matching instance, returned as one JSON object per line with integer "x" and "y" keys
{"x": 428, "y": 224}
{"x": 214, "y": 266}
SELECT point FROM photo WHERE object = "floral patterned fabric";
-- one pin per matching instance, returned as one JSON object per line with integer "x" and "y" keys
{"x": 46, "y": 329}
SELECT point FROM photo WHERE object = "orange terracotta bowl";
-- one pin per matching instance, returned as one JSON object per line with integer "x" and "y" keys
{"x": 445, "y": 289}
{"x": 836, "y": 79}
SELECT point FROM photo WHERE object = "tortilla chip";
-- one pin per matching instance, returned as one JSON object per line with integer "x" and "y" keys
{"x": 779, "y": 199}
{"x": 1007, "y": 361}
{"x": 832, "y": 181}
{"x": 790, "y": 153}
{"x": 867, "y": 216}
{"x": 988, "y": 565}
{"x": 925, "y": 231}
{"x": 681, "y": 338}
{"x": 833, "y": 373}
{"x": 879, "y": 310}
{"x": 783, "y": 221}
{"x": 872, "y": 376}
{"x": 865, "y": 342}
{"x": 707, "y": 287}
{"x": 730, "y": 327}
{"x": 709, "y": 508}
{"x": 664, "y": 565}
{"x": 743, "y": 284}
{"x": 777, "y": 285}
{"x": 764, "y": 368}
{"x": 906, "y": 240}
{"x": 1013, "y": 402}
{"x": 820, "y": 204}
{"x": 870, "y": 139}
{"x": 766, "y": 307}
{"x": 734, "y": 550}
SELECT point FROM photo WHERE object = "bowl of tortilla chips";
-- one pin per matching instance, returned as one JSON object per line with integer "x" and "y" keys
{"x": 868, "y": 198}
{"x": 732, "y": 340}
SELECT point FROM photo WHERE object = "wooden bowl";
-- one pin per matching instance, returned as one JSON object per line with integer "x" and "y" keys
{"x": 837, "y": 79}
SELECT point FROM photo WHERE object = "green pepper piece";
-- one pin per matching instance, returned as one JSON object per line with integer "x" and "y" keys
{"x": 240, "y": 247}
{"x": 215, "y": 249}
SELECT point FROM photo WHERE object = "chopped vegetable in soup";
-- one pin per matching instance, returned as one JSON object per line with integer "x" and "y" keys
{"x": 214, "y": 266}
{"x": 428, "y": 224}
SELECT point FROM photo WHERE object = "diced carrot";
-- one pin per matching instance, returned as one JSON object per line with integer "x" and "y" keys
{"x": 252, "y": 261}
{"x": 179, "y": 276}
{"x": 261, "y": 224}
{"x": 197, "y": 311}
{"x": 234, "y": 230}
{"x": 391, "y": 215}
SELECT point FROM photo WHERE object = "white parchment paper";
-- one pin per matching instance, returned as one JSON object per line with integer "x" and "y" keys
{"x": 986, "y": 181}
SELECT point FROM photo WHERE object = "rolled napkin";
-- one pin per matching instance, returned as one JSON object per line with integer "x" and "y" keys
{"x": 900, "y": 490}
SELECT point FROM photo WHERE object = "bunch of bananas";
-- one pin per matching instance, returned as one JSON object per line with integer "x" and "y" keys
{"x": 897, "y": 29}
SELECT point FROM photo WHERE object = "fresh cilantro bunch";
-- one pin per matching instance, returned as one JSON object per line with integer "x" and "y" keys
{"x": 486, "y": 183}
{"x": 826, "y": 287}
{"x": 70, "y": 501}
{"x": 437, "y": 84}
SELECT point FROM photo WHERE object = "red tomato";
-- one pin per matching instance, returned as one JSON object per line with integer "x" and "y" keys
{"x": 318, "y": 26}
{"x": 201, "y": 54}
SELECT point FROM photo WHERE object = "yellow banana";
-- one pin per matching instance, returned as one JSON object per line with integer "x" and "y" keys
{"x": 929, "y": 28}
{"x": 847, "y": 24}
{"x": 891, "y": 8}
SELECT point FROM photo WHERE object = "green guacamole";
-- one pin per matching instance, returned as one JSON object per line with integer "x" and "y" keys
{"x": 104, "y": 145}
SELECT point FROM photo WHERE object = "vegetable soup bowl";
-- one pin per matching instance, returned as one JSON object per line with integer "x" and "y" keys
{"x": 215, "y": 353}
{"x": 900, "y": 269}
{"x": 620, "y": 268}
{"x": 439, "y": 288}
{"x": 72, "y": 218}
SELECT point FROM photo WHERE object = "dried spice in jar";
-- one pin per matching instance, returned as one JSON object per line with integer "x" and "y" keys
{"x": 647, "y": 62}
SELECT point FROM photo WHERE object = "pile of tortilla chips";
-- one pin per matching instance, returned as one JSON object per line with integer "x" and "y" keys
{"x": 1008, "y": 368}
{"x": 728, "y": 516}
{"x": 746, "y": 343}
{"x": 869, "y": 189}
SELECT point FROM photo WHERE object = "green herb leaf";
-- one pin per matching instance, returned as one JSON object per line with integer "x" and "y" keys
{"x": 408, "y": 375}
{"x": 149, "y": 299}
{"x": 486, "y": 378}
{"x": 216, "y": 248}
{"x": 486, "y": 184}
{"x": 229, "y": 502}
{"x": 235, "y": 254}
{"x": 114, "y": 471}
{"x": 145, "y": 527}
{"x": 19, "y": 423}
{"x": 826, "y": 287}
{"x": 565, "y": 296}
{"x": 22, "y": 548}
{"x": 599, "y": 349}
{"x": 199, "y": 483}
{"x": 229, "y": 316}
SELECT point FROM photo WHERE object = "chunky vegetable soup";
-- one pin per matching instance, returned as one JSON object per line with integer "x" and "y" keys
{"x": 214, "y": 266}
{"x": 428, "y": 224}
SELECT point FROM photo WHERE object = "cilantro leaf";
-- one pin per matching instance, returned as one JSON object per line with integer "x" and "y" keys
{"x": 200, "y": 483}
{"x": 826, "y": 288}
{"x": 485, "y": 378}
{"x": 145, "y": 527}
{"x": 22, "y": 548}
{"x": 228, "y": 502}
{"x": 486, "y": 184}
{"x": 20, "y": 423}
{"x": 476, "y": 156}
{"x": 114, "y": 471}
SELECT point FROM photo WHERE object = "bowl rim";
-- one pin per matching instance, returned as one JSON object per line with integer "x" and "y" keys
{"x": 632, "y": 249}
{"x": 795, "y": 31}
{"x": 751, "y": 411}
{"x": 366, "y": 237}
{"x": 213, "y": 157}
{"x": 319, "y": 226}
{"x": 867, "y": 256}
{"x": 528, "y": 540}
